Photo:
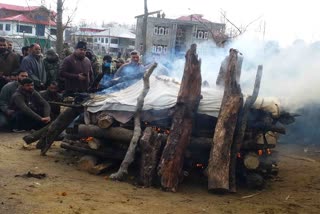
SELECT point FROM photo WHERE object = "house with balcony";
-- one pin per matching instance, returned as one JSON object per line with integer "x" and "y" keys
{"x": 27, "y": 25}
{"x": 111, "y": 40}
{"x": 171, "y": 37}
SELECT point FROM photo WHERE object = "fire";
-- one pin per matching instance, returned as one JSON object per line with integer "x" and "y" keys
{"x": 160, "y": 130}
{"x": 267, "y": 151}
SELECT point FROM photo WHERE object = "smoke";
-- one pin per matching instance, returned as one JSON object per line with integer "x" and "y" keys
{"x": 291, "y": 74}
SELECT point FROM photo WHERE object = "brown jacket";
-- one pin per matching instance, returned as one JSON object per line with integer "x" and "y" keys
{"x": 9, "y": 62}
{"x": 71, "y": 68}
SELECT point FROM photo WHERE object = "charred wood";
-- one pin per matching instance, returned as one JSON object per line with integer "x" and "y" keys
{"x": 150, "y": 150}
{"x": 57, "y": 127}
{"x": 170, "y": 167}
{"x": 221, "y": 151}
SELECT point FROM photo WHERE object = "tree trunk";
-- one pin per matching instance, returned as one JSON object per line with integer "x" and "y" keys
{"x": 105, "y": 154}
{"x": 221, "y": 152}
{"x": 115, "y": 133}
{"x": 104, "y": 120}
{"x": 150, "y": 145}
{"x": 187, "y": 104}
{"x": 241, "y": 127}
{"x": 57, "y": 127}
{"x": 59, "y": 41}
{"x": 129, "y": 158}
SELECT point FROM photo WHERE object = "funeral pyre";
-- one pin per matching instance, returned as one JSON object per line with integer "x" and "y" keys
{"x": 166, "y": 129}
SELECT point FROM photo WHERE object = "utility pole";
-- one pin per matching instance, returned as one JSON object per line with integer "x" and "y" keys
{"x": 60, "y": 29}
{"x": 144, "y": 30}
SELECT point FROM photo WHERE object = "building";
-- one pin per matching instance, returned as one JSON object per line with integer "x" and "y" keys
{"x": 28, "y": 24}
{"x": 174, "y": 36}
{"x": 110, "y": 40}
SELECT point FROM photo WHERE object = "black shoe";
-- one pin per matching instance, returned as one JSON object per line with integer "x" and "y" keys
{"x": 28, "y": 139}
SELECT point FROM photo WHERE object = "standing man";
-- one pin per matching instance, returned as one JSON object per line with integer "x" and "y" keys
{"x": 51, "y": 64}
{"x": 131, "y": 70}
{"x": 9, "y": 61}
{"x": 31, "y": 111}
{"x": 77, "y": 70}
{"x": 34, "y": 65}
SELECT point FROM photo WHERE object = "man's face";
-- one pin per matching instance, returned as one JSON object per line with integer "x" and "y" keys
{"x": 3, "y": 47}
{"x": 119, "y": 64}
{"x": 135, "y": 58}
{"x": 22, "y": 76}
{"x": 80, "y": 53}
{"x": 28, "y": 87}
{"x": 10, "y": 46}
{"x": 53, "y": 88}
{"x": 36, "y": 50}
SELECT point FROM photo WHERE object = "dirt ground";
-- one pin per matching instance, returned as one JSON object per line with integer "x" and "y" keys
{"x": 65, "y": 189}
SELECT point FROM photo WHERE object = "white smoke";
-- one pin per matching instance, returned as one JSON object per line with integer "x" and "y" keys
{"x": 292, "y": 74}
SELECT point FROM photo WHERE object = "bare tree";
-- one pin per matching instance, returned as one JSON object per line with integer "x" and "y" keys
{"x": 60, "y": 26}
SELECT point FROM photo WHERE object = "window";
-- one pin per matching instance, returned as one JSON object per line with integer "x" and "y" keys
{"x": 160, "y": 30}
{"x": 132, "y": 42}
{"x": 156, "y": 31}
{"x": 8, "y": 27}
{"x": 1, "y": 26}
{"x": 205, "y": 36}
{"x": 53, "y": 31}
{"x": 106, "y": 40}
{"x": 114, "y": 41}
{"x": 95, "y": 39}
{"x": 158, "y": 49}
{"x": 102, "y": 40}
{"x": 24, "y": 29}
{"x": 166, "y": 31}
{"x": 202, "y": 34}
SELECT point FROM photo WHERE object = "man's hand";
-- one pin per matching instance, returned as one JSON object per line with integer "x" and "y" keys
{"x": 82, "y": 76}
{"x": 45, "y": 119}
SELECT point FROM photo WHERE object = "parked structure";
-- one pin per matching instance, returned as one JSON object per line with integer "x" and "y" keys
{"x": 26, "y": 25}
{"x": 173, "y": 36}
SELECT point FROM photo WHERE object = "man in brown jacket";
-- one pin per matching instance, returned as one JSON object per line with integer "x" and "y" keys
{"x": 76, "y": 70}
{"x": 9, "y": 61}
{"x": 31, "y": 111}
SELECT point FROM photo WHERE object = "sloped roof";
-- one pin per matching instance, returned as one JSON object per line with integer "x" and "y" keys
{"x": 17, "y": 7}
{"x": 119, "y": 32}
{"x": 24, "y": 19}
{"x": 193, "y": 17}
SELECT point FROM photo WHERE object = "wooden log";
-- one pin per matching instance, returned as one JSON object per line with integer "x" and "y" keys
{"x": 105, "y": 154}
{"x": 150, "y": 144}
{"x": 57, "y": 127}
{"x": 219, "y": 162}
{"x": 241, "y": 127}
{"x": 129, "y": 158}
{"x": 115, "y": 133}
{"x": 170, "y": 167}
{"x": 94, "y": 143}
{"x": 100, "y": 168}
{"x": 87, "y": 162}
{"x": 104, "y": 120}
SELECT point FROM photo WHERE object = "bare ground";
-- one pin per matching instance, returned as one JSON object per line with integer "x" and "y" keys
{"x": 68, "y": 190}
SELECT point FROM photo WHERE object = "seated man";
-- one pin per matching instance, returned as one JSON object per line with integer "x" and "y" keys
{"x": 5, "y": 95}
{"x": 31, "y": 111}
{"x": 51, "y": 94}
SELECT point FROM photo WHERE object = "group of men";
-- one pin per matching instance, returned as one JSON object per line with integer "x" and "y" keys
{"x": 30, "y": 81}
